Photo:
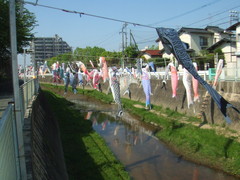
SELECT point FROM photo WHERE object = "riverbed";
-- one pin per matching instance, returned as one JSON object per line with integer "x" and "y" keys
{"x": 135, "y": 145}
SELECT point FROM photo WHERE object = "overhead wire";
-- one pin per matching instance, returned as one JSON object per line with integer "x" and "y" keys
{"x": 213, "y": 15}
{"x": 214, "y": 21}
{"x": 133, "y": 23}
{"x": 91, "y": 15}
{"x": 185, "y": 13}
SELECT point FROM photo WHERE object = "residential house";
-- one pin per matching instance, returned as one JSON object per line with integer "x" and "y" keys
{"x": 235, "y": 64}
{"x": 198, "y": 39}
{"x": 147, "y": 54}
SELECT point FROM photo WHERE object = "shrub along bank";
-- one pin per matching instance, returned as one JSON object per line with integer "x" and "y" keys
{"x": 203, "y": 146}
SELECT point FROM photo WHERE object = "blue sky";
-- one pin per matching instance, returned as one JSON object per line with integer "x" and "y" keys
{"x": 82, "y": 31}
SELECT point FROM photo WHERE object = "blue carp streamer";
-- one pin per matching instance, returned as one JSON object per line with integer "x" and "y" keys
{"x": 173, "y": 44}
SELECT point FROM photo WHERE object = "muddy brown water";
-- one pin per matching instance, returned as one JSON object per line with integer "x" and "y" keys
{"x": 134, "y": 144}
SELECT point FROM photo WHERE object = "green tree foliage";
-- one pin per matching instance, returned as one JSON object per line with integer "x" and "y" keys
{"x": 208, "y": 57}
{"x": 219, "y": 52}
{"x": 62, "y": 58}
{"x": 25, "y": 22}
{"x": 86, "y": 54}
{"x": 153, "y": 47}
{"x": 131, "y": 52}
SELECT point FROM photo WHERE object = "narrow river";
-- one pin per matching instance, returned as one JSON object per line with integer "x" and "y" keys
{"x": 134, "y": 144}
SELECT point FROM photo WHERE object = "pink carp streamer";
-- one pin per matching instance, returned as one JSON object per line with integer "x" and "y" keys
{"x": 93, "y": 76}
{"x": 174, "y": 79}
{"x": 218, "y": 73}
{"x": 96, "y": 78}
{"x": 103, "y": 65}
{"x": 195, "y": 85}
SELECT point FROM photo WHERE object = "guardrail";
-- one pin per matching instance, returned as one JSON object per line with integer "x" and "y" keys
{"x": 9, "y": 165}
{"x": 27, "y": 91}
{"x": 9, "y": 151}
{"x": 228, "y": 74}
{"x": 203, "y": 74}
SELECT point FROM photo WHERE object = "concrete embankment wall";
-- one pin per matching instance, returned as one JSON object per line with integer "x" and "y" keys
{"x": 47, "y": 157}
{"x": 205, "y": 109}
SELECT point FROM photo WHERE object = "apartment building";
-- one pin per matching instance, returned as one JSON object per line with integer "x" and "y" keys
{"x": 47, "y": 47}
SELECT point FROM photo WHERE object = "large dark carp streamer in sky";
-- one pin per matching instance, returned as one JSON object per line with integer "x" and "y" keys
{"x": 173, "y": 44}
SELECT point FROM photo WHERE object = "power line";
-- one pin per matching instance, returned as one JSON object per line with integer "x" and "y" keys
{"x": 214, "y": 22}
{"x": 87, "y": 14}
{"x": 185, "y": 13}
{"x": 222, "y": 23}
{"x": 213, "y": 15}
{"x": 142, "y": 42}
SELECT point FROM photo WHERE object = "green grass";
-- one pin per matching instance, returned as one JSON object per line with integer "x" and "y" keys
{"x": 86, "y": 154}
{"x": 203, "y": 146}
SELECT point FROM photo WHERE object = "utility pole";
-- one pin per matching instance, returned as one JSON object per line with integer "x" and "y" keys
{"x": 24, "y": 54}
{"x": 124, "y": 45}
{"x": 17, "y": 106}
{"x": 132, "y": 37}
{"x": 234, "y": 16}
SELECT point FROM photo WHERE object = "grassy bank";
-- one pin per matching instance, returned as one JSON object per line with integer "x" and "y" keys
{"x": 86, "y": 154}
{"x": 202, "y": 146}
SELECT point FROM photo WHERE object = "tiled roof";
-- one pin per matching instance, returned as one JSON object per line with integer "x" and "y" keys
{"x": 215, "y": 29}
{"x": 193, "y": 30}
{"x": 152, "y": 52}
{"x": 233, "y": 27}
{"x": 219, "y": 43}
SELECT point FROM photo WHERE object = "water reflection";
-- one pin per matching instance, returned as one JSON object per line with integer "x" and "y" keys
{"x": 135, "y": 145}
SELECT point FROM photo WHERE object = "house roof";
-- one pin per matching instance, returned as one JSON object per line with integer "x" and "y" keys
{"x": 193, "y": 30}
{"x": 219, "y": 43}
{"x": 233, "y": 27}
{"x": 214, "y": 29}
{"x": 152, "y": 52}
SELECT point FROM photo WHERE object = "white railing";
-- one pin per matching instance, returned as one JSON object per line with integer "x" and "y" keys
{"x": 161, "y": 75}
{"x": 27, "y": 91}
{"x": 228, "y": 74}
{"x": 9, "y": 166}
{"x": 9, "y": 151}
{"x": 231, "y": 74}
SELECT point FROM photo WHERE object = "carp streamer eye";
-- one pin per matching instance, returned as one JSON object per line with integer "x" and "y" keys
{"x": 120, "y": 113}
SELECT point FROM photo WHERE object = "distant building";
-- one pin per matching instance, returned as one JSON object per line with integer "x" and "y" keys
{"x": 151, "y": 54}
{"x": 47, "y": 47}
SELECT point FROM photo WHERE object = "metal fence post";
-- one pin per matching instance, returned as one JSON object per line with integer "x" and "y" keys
{"x": 17, "y": 106}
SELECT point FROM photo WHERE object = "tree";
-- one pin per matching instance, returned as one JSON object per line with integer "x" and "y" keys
{"x": 131, "y": 52}
{"x": 208, "y": 57}
{"x": 25, "y": 22}
{"x": 88, "y": 53}
{"x": 153, "y": 47}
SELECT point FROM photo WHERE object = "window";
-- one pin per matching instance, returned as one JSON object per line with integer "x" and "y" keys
{"x": 238, "y": 37}
{"x": 203, "y": 41}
